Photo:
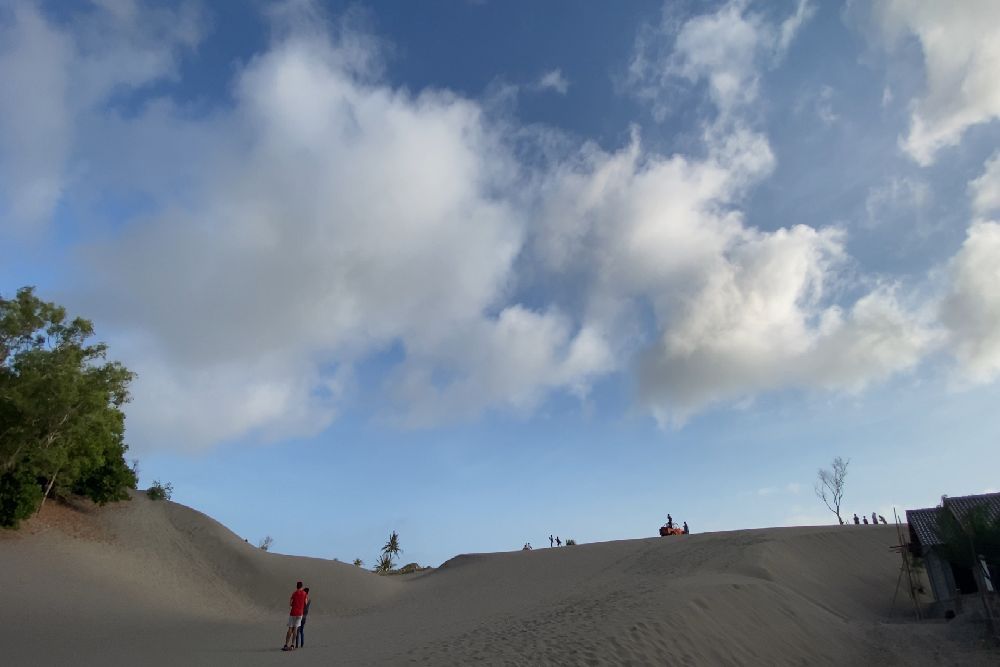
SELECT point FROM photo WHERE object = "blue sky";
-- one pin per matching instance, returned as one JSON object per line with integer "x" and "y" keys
{"x": 479, "y": 272}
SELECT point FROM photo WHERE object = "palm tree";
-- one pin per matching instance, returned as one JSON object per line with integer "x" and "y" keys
{"x": 384, "y": 563}
{"x": 358, "y": 562}
{"x": 392, "y": 546}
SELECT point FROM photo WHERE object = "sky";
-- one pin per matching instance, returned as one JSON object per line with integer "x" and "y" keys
{"x": 482, "y": 272}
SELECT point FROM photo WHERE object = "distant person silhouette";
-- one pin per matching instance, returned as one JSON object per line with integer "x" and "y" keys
{"x": 856, "y": 521}
{"x": 865, "y": 519}
{"x": 687, "y": 531}
{"x": 558, "y": 541}
{"x": 874, "y": 519}
{"x": 551, "y": 541}
{"x": 882, "y": 519}
{"x": 670, "y": 521}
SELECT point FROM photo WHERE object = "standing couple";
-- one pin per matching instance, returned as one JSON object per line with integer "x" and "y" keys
{"x": 296, "y": 634}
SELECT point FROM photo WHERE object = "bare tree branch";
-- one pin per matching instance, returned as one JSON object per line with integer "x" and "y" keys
{"x": 830, "y": 486}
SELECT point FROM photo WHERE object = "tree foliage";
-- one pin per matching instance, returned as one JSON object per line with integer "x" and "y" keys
{"x": 160, "y": 491}
{"x": 62, "y": 429}
{"x": 392, "y": 545}
{"x": 384, "y": 564}
{"x": 977, "y": 534}
{"x": 830, "y": 486}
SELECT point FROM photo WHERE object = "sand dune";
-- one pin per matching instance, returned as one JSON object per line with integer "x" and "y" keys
{"x": 158, "y": 583}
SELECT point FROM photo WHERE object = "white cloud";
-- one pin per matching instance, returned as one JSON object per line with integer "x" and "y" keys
{"x": 324, "y": 218}
{"x": 513, "y": 361}
{"x": 985, "y": 189}
{"x": 886, "y": 96}
{"x": 819, "y": 102}
{"x": 726, "y": 49}
{"x": 737, "y": 310}
{"x": 758, "y": 324}
{"x": 971, "y": 309}
{"x": 899, "y": 196}
{"x": 553, "y": 80}
{"x": 961, "y": 47}
{"x": 53, "y": 78}
{"x": 335, "y": 218}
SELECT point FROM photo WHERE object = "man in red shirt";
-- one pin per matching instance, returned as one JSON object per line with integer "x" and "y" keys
{"x": 298, "y": 604}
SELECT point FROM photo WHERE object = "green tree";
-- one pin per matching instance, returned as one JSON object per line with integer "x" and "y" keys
{"x": 160, "y": 491}
{"x": 358, "y": 562}
{"x": 384, "y": 563}
{"x": 977, "y": 534}
{"x": 62, "y": 429}
{"x": 392, "y": 545}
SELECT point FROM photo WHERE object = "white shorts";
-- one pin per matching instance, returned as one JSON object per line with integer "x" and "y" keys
{"x": 294, "y": 621}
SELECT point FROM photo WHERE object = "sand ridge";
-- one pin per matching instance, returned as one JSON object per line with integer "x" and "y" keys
{"x": 157, "y": 583}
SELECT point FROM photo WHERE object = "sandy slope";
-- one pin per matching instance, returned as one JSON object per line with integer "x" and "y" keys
{"x": 157, "y": 583}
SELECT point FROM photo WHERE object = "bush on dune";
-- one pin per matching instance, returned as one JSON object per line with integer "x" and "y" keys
{"x": 384, "y": 564}
{"x": 62, "y": 429}
{"x": 158, "y": 491}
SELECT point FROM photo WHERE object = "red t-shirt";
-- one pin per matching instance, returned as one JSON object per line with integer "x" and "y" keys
{"x": 298, "y": 603}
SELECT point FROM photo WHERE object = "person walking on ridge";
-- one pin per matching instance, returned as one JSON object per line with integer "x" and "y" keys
{"x": 670, "y": 521}
{"x": 857, "y": 522}
{"x": 550, "y": 541}
{"x": 297, "y": 603}
{"x": 874, "y": 519}
{"x": 558, "y": 541}
{"x": 687, "y": 531}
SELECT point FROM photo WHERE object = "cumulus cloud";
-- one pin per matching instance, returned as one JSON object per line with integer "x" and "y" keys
{"x": 338, "y": 218}
{"x": 971, "y": 309}
{"x": 961, "y": 48}
{"x": 736, "y": 310}
{"x": 726, "y": 49}
{"x": 985, "y": 189}
{"x": 758, "y": 325}
{"x": 54, "y": 77}
{"x": 323, "y": 218}
{"x": 553, "y": 80}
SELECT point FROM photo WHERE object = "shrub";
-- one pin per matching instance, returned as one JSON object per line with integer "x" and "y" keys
{"x": 265, "y": 543}
{"x": 108, "y": 482}
{"x": 410, "y": 568}
{"x": 358, "y": 562}
{"x": 384, "y": 564}
{"x": 158, "y": 491}
{"x": 20, "y": 494}
{"x": 571, "y": 543}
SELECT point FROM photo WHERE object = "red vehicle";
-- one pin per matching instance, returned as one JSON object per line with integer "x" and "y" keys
{"x": 675, "y": 530}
